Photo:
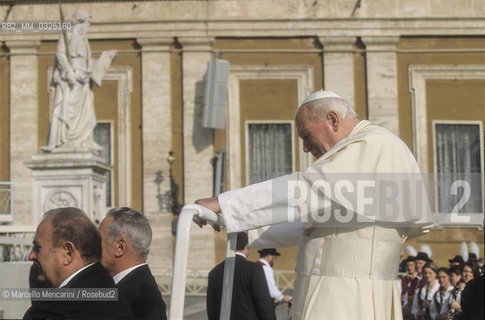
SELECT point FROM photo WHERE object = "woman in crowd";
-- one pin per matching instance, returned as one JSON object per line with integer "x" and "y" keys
{"x": 441, "y": 299}
{"x": 470, "y": 271}
{"x": 423, "y": 298}
{"x": 455, "y": 275}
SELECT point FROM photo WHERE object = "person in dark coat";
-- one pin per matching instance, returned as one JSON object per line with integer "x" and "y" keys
{"x": 126, "y": 236}
{"x": 250, "y": 296}
{"x": 472, "y": 299}
{"x": 66, "y": 251}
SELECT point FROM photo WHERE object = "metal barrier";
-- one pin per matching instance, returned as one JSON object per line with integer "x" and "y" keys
{"x": 196, "y": 283}
{"x": 195, "y": 212}
{"x": 6, "y": 201}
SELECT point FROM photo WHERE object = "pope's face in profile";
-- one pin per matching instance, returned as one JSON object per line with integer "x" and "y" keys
{"x": 318, "y": 136}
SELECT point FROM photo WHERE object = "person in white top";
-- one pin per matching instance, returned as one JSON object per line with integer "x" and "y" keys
{"x": 440, "y": 303}
{"x": 470, "y": 271}
{"x": 267, "y": 258}
{"x": 423, "y": 298}
{"x": 349, "y": 235}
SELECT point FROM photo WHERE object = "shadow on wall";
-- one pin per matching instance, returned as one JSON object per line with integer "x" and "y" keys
{"x": 163, "y": 200}
{"x": 201, "y": 137}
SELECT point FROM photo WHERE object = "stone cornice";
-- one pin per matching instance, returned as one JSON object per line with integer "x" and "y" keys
{"x": 22, "y": 46}
{"x": 337, "y": 44}
{"x": 341, "y": 27}
{"x": 197, "y": 43}
{"x": 380, "y": 43}
{"x": 155, "y": 43}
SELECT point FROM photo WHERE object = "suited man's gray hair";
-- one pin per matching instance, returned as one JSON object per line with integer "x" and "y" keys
{"x": 133, "y": 226}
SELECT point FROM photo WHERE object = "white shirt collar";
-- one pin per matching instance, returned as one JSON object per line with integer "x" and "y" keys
{"x": 65, "y": 282}
{"x": 117, "y": 278}
{"x": 265, "y": 262}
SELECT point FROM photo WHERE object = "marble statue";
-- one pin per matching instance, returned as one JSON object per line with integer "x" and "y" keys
{"x": 73, "y": 118}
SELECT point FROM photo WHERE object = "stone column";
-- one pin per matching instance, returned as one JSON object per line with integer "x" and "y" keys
{"x": 198, "y": 144}
{"x": 157, "y": 142}
{"x": 338, "y": 66}
{"x": 382, "y": 81}
{"x": 23, "y": 123}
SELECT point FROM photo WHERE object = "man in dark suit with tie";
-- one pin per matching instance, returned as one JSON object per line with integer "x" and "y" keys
{"x": 66, "y": 251}
{"x": 126, "y": 236}
{"x": 250, "y": 293}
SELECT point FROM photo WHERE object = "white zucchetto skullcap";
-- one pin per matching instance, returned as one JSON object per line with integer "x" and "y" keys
{"x": 320, "y": 95}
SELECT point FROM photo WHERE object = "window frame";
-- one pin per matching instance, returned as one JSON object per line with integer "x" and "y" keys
{"x": 112, "y": 156}
{"x": 246, "y": 141}
{"x": 445, "y": 219}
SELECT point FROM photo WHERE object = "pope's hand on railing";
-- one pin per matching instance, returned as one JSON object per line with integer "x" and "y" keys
{"x": 211, "y": 204}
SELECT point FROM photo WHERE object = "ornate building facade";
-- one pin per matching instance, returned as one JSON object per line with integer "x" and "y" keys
{"x": 415, "y": 67}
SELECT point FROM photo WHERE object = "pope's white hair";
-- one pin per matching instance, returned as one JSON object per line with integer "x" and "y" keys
{"x": 319, "y": 108}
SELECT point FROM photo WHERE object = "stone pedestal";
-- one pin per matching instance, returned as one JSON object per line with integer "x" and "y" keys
{"x": 74, "y": 179}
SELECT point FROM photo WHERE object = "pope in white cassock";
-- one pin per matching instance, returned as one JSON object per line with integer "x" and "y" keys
{"x": 349, "y": 212}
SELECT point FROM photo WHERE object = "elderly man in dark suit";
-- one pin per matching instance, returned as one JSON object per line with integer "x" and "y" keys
{"x": 250, "y": 293}
{"x": 126, "y": 236}
{"x": 66, "y": 252}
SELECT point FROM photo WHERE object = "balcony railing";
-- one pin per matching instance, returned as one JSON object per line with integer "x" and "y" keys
{"x": 15, "y": 242}
{"x": 196, "y": 283}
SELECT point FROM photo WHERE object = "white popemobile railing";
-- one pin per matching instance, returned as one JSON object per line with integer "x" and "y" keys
{"x": 195, "y": 212}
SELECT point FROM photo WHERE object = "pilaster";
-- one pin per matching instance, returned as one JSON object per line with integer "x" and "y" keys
{"x": 338, "y": 66}
{"x": 382, "y": 81}
{"x": 23, "y": 123}
{"x": 157, "y": 142}
{"x": 198, "y": 143}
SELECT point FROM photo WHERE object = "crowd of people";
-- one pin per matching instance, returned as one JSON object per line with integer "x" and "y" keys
{"x": 432, "y": 292}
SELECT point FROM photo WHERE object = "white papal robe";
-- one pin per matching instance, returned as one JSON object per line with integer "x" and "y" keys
{"x": 347, "y": 266}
